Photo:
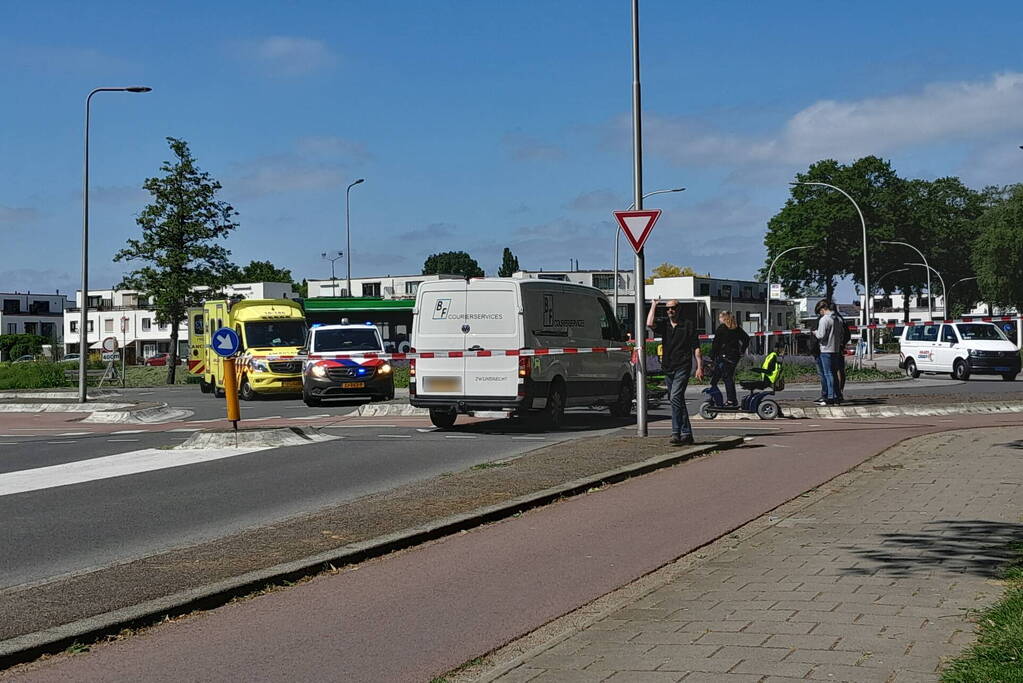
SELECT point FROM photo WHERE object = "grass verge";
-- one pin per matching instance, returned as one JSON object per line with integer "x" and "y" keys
{"x": 998, "y": 653}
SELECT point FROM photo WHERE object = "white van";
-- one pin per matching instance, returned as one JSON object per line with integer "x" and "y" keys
{"x": 961, "y": 349}
{"x": 498, "y": 314}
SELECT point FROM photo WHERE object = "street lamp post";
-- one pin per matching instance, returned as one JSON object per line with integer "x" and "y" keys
{"x": 767, "y": 308}
{"x": 944, "y": 292}
{"x": 618, "y": 236}
{"x": 348, "y": 230}
{"x": 930, "y": 295}
{"x": 326, "y": 257}
{"x": 948, "y": 306}
{"x": 866, "y": 270}
{"x": 83, "y": 336}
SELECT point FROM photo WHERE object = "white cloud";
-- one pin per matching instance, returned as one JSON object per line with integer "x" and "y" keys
{"x": 17, "y": 214}
{"x": 527, "y": 148}
{"x": 280, "y": 174}
{"x": 938, "y": 113}
{"x": 332, "y": 146}
{"x": 286, "y": 56}
{"x": 596, "y": 200}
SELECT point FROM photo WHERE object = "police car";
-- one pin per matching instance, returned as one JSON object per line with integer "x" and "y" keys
{"x": 326, "y": 376}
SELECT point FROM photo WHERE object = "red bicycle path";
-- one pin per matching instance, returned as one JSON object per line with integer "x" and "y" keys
{"x": 416, "y": 614}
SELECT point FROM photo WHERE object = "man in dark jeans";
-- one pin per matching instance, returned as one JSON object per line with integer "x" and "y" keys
{"x": 679, "y": 341}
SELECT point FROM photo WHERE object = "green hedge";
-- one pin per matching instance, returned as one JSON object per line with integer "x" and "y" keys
{"x": 40, "y": 375}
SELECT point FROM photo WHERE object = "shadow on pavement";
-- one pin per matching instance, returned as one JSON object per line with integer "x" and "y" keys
{"x": 960, "y": 546}
{"x": 574, "y": 422}
{"x": 1018, "y": 445}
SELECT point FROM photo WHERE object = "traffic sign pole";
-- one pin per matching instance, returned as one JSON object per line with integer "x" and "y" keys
{"x": 637, "y": 175}
{"x": 231, "y": 393}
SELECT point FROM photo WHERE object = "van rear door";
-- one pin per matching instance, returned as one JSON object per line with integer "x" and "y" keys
{"x": 440, "y": 313}
{"x": 492, "y": 323}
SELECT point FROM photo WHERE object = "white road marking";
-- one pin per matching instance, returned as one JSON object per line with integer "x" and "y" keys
{"x": 460, "y": 436}
{"x": 745, "y": 426}
{"x": 394, "y": 436}
{"x": 75, "y": 433}
{"x": 56, "y": 442}
{"x": 7, "y": 436}
{"x": 130, "y": 431}
{"x": 184, "y": 429}
{"x": 310, "y": 417}
{"x": 423, "y": 430}
{"x": 132, "y": 462}
{"x": 350, "y": 426}
{"x": 38, "y": 429}
{"x": 529, "y": 438}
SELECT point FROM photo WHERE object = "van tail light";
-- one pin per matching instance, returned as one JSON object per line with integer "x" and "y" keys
{"x": 412, "y": 367}
{"x": 525, "y": 367}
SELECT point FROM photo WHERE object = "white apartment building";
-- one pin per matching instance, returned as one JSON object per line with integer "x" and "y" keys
{"x": 125, "y": 316}
{"x": 385, "y": 287}
{"x": 746, "y": 299}
{"x": 603, "y": 280}
{"x": 27, "y": 313}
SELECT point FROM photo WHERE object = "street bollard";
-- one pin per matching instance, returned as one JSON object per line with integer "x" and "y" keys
{"x": 231, "y": 392}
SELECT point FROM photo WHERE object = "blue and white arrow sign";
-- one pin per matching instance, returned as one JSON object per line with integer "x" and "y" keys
{"x": 225, "y": 342}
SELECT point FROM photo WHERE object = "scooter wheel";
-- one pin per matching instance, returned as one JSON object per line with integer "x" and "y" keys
{"x": 768, "y": 410}
{"x": 707, "y": 411}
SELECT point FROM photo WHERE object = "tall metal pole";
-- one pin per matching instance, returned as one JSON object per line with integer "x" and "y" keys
{"x": 866, "y": 269}
{"x": 348, "y": 230}
{"x": 637, "y": 175}
{"x": 930, "y": 292}
{"x": 83, "y": 330}
{"x": 948, "y": 304}
{"x": 944, "y": 292}
{"x": 618, "y": 235}
{"x": 767, "y": 309}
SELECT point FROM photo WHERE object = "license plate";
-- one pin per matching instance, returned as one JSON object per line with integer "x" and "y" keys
{"x": 353, "y": 385}
{"x": 442, "y": 384}
{"x": 1002, "y": 369}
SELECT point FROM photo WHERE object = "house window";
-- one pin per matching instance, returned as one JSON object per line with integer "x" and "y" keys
{"x": 39, "y": 307}
{"x": 74, "y": 326}
{"x": 12, "y": 328}
{"x": 412, "y": 286}
{"x": 704, "y": 289}
{"x": 47, "y": 330}
{"x": 31, "y": 328}
{"x": 147, "y": 324}
{"x": 131, "y": 300}
{"x": 604, "y": 281}
{"x": 726, "y": 290}
{"x": 371, "y": 289}
{"x": 747, "y": 292}
{"x": 108, "y": 325}
{"x": 95, "y": 301}
{"x": 12, "y": 306}
{"x": 88, "y": 328}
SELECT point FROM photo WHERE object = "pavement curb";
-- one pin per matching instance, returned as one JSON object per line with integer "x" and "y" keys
{"x": 60, "y": 407}
{"x": 844, "y": 412}
{"x": 154, "y": 415}
{"x": 32, "y": 645}
{"x": 272, "y": 437}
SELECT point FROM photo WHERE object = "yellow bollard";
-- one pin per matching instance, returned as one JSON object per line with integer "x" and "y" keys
{"x": 231, "y": 392}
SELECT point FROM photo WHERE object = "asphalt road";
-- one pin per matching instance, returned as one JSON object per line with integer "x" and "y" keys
{"x": 414, "y": 615}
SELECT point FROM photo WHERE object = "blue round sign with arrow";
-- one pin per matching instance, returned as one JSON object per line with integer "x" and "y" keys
{"x": 225, "y": 342}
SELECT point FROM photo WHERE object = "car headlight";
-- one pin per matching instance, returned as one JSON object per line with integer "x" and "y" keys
{"x": 384, "y": 369}
{"x": 260, "y": 366}
{"x": 318, "y": 371}
{"x": 975, "y": 353}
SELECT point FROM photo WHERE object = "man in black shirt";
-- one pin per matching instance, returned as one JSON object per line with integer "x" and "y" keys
{"x": 679, "y": 341}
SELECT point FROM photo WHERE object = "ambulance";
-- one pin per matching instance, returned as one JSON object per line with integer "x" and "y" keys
{"x": 271, "y": 332}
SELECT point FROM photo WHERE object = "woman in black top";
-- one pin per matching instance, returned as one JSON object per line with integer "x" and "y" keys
{"x": 730, "y": 343}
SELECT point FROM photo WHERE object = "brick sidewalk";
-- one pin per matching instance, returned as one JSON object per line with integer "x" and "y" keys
{"x": 869, "y": 578}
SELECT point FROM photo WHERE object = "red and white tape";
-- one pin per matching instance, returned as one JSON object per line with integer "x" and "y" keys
{"x": 482, "y": 353}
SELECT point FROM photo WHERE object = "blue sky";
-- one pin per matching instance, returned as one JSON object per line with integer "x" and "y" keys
{"x": 480, "y": 125}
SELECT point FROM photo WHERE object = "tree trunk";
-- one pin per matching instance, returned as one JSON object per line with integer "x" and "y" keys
{"x": 905, "y": 304}
{"x": 172, "y": 358}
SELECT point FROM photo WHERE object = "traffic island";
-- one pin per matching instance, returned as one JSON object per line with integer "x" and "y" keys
{"x": 49, "y": 617}
{"x": 276, "y": 437}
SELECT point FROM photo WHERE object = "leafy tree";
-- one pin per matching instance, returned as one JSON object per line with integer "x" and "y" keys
{"x": 998, "y": 251}
{"x": 262, "y": 271}
{"x": 670, "y": 270}
{"x": 452, "y": 263}
{"x": 827, "y": 221}
{"x": 179, "y": 229}
{"x": 15, "y": 345}
{"x": 509, "y": 264}
{"x": 302, "y": 288}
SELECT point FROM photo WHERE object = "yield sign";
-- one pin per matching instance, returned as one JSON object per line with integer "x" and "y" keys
{"x": 637, "y": 225}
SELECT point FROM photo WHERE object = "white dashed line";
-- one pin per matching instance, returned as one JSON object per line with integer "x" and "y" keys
{"x": 75, "y": 433}
{"x": 310, "y": 417}
{"x": 421, "y": 430}
{"x": 460, "y": 436}
{"x": 529, "y": 438}
{"x": 123, "y": 440}
{"x": 184, "y": 429}
{"x": 56, "y": 442}
{"x": 130, "y": 431}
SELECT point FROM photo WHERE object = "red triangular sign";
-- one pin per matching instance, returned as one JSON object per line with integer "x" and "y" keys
{"x": 637, "y": 225}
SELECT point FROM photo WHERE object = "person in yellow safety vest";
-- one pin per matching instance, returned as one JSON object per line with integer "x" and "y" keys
{"x": 772, "y": 367}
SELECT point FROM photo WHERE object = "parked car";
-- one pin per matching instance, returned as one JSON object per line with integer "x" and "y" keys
{"x": 961, "y": 349}
{"x": 28, "y": 358}
{"x": 71, "y": 358}
{"x": 160, "y": 359}
{"x": 326, "y": 376}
